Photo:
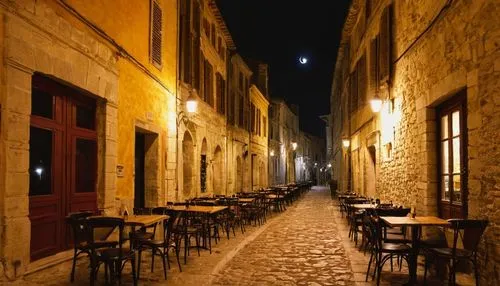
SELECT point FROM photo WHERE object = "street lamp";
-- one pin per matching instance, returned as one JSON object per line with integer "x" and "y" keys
{"x": 346, "y": 142}
{"x": 376, "y": 104}
{"x": 191, "y": 103}
{"x": 329, "y": 165}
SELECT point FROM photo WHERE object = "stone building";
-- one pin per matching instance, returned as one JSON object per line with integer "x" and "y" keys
{"x": 434, "y": 67}
{"x": 259, "y": 105}
{"x": 204, "y": 46}
{"x": 93, "y": 115}
{"x": 72, "y": 113}
{"x": 283, "y": 133}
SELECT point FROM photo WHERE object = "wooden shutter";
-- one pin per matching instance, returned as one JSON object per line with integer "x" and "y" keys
{"x": 156, "y": 33}
{"x": 373, "y": 70}
{"x": 362, "y": 80}
{"x": 353, "y": 98}
{"x": 385, "y": 45}
{"x": 209, "y": 88}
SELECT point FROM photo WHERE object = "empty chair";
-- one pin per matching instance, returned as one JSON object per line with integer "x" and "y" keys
{"x": 114, "y": 258}
{"x": 469, "y": 231}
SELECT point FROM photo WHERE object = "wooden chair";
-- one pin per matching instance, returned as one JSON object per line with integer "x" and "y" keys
{"x": 470, "y": 232}
{"x": 114, "y": 258}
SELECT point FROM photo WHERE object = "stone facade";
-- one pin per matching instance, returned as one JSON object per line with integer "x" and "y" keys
{"x": 259, "y": 105}
{"x": 284, "y": 130}
{"x": 436, "y": 51}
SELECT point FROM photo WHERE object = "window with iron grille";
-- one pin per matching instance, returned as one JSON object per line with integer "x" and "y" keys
{"x": 156, "y": 33}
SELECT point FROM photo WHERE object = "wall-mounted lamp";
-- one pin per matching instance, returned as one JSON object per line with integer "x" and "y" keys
{"x": 294, "y": 145}
{"x": 271, "y": 153}
{"x": 329, "y": 165}
{"x": 346, "y": 143}
{"x": 376, "y": 104}
{"x": 191, "y": 103}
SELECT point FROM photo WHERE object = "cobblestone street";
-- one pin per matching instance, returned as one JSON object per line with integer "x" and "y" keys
{"x": 301, "y": 247}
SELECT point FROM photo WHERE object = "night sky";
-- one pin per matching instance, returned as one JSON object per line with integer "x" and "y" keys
{"x": 278, "y": 32}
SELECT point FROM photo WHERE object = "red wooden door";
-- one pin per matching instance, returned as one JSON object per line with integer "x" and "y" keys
{"x": 63, "y": 162}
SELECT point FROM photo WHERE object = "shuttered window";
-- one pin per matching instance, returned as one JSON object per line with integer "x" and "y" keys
{"x": 373, "y": 70}
{"x": 221, "y": 94}
{"x": 362, "y": 80}
{"x": 385, "y": 45}
{"x": 209, "y": 90}
{"x": 156, "y": 33}
{"x": 252, "y": 116}
{"x": 353, "y": 102}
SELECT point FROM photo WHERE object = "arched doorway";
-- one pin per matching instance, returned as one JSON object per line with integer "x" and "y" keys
{"x": 187, "y": 164}
{"x": 217, "y": 169}
{"x": 239, "y": 175}
{"x": 203, "y": 166}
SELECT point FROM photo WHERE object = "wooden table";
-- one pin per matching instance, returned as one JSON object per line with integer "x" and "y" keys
{"x": 136, "y": 221}
{"x": 416, "y": 226}
{"x": 364, "y": 206}
{"x": 246, "y": 200}
{"x": 199, "y": 209}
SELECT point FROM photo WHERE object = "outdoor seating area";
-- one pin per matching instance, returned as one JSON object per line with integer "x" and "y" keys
{"x": 394, "y": 236}
{"x": 174, "y": 230}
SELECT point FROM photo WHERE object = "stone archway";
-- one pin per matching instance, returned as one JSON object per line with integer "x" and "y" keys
{"x": 239, "y": 175}
{"x": 203, "y": 166}
{"x": 187, "y": 164}
{"x": 217, "y": 171}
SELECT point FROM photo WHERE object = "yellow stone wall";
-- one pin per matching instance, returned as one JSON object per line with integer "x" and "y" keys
{"x": 142, "y": 100}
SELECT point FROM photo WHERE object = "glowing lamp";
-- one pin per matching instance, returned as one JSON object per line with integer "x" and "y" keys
{"x": 329, "y": 165}
{"x": 376, "y": 104}
{"x": 294, "y": 145}
{"x": 271, "y": 153}
{"x": 191, "y": 104}
{"x": 346, "y": 143}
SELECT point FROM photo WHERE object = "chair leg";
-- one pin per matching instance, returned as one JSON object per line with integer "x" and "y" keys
{"x": 72, "y": 278}
{"x": 177, "y": 252}
{"x": 369, "y": 265}
{"x": 164, "y": 264}
{"x": 476, "y": 270}
{"x": 139, "y": 258}
{"x": 134, "y": 275}
{"x": 153, "y": 252}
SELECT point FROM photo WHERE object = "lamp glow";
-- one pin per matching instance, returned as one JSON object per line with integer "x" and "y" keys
{"x": 271, "y": 153}
{"x": 191, "y": 104}
{"x": 39, "y": 171}
{"x": 329, "y": 165}
{"x": 376, "y": 104}
{"x": 315, "y": 164}
{"x": 294, "y": 145}
{"x": 346, "y": 143}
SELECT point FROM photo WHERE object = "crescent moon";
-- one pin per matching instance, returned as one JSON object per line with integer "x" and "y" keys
{"x": 303, "y": 60}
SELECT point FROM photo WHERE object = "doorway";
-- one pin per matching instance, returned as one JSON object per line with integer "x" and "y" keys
{"x": 139, "y": 186}
{"x": 62, "y": 162}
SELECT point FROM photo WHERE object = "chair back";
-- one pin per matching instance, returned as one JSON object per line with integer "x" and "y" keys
{"x": 392, "y": 212}
{"x": 469, "y": 230}
{"x": 98, "y": 223}
{"x": 142, "y": 211}
{"x": 78, "y": 226}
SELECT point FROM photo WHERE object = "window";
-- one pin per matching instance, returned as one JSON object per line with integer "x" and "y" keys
{"x": 221, "y": 94}
{"x": 265, "y": 126}
{"x": 353, "y": 98}
{"x": 373, "y": 69}
{"x": 452, "y": 167}
{"x": 206, "y": 27}
{"x": 362, "y": 78}
{"x": 252, "y": 114}
{"x": 209, "y": 88}
{"x": 385, "y": 58}
{"x": 156, "y": 33}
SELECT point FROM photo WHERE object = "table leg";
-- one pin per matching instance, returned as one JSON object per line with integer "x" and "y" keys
{"x": 414, "y": 255}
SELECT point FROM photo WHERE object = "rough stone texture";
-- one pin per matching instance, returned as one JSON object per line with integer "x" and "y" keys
{"x": 459, "y": 51}
{"x": 301, "y": 247}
